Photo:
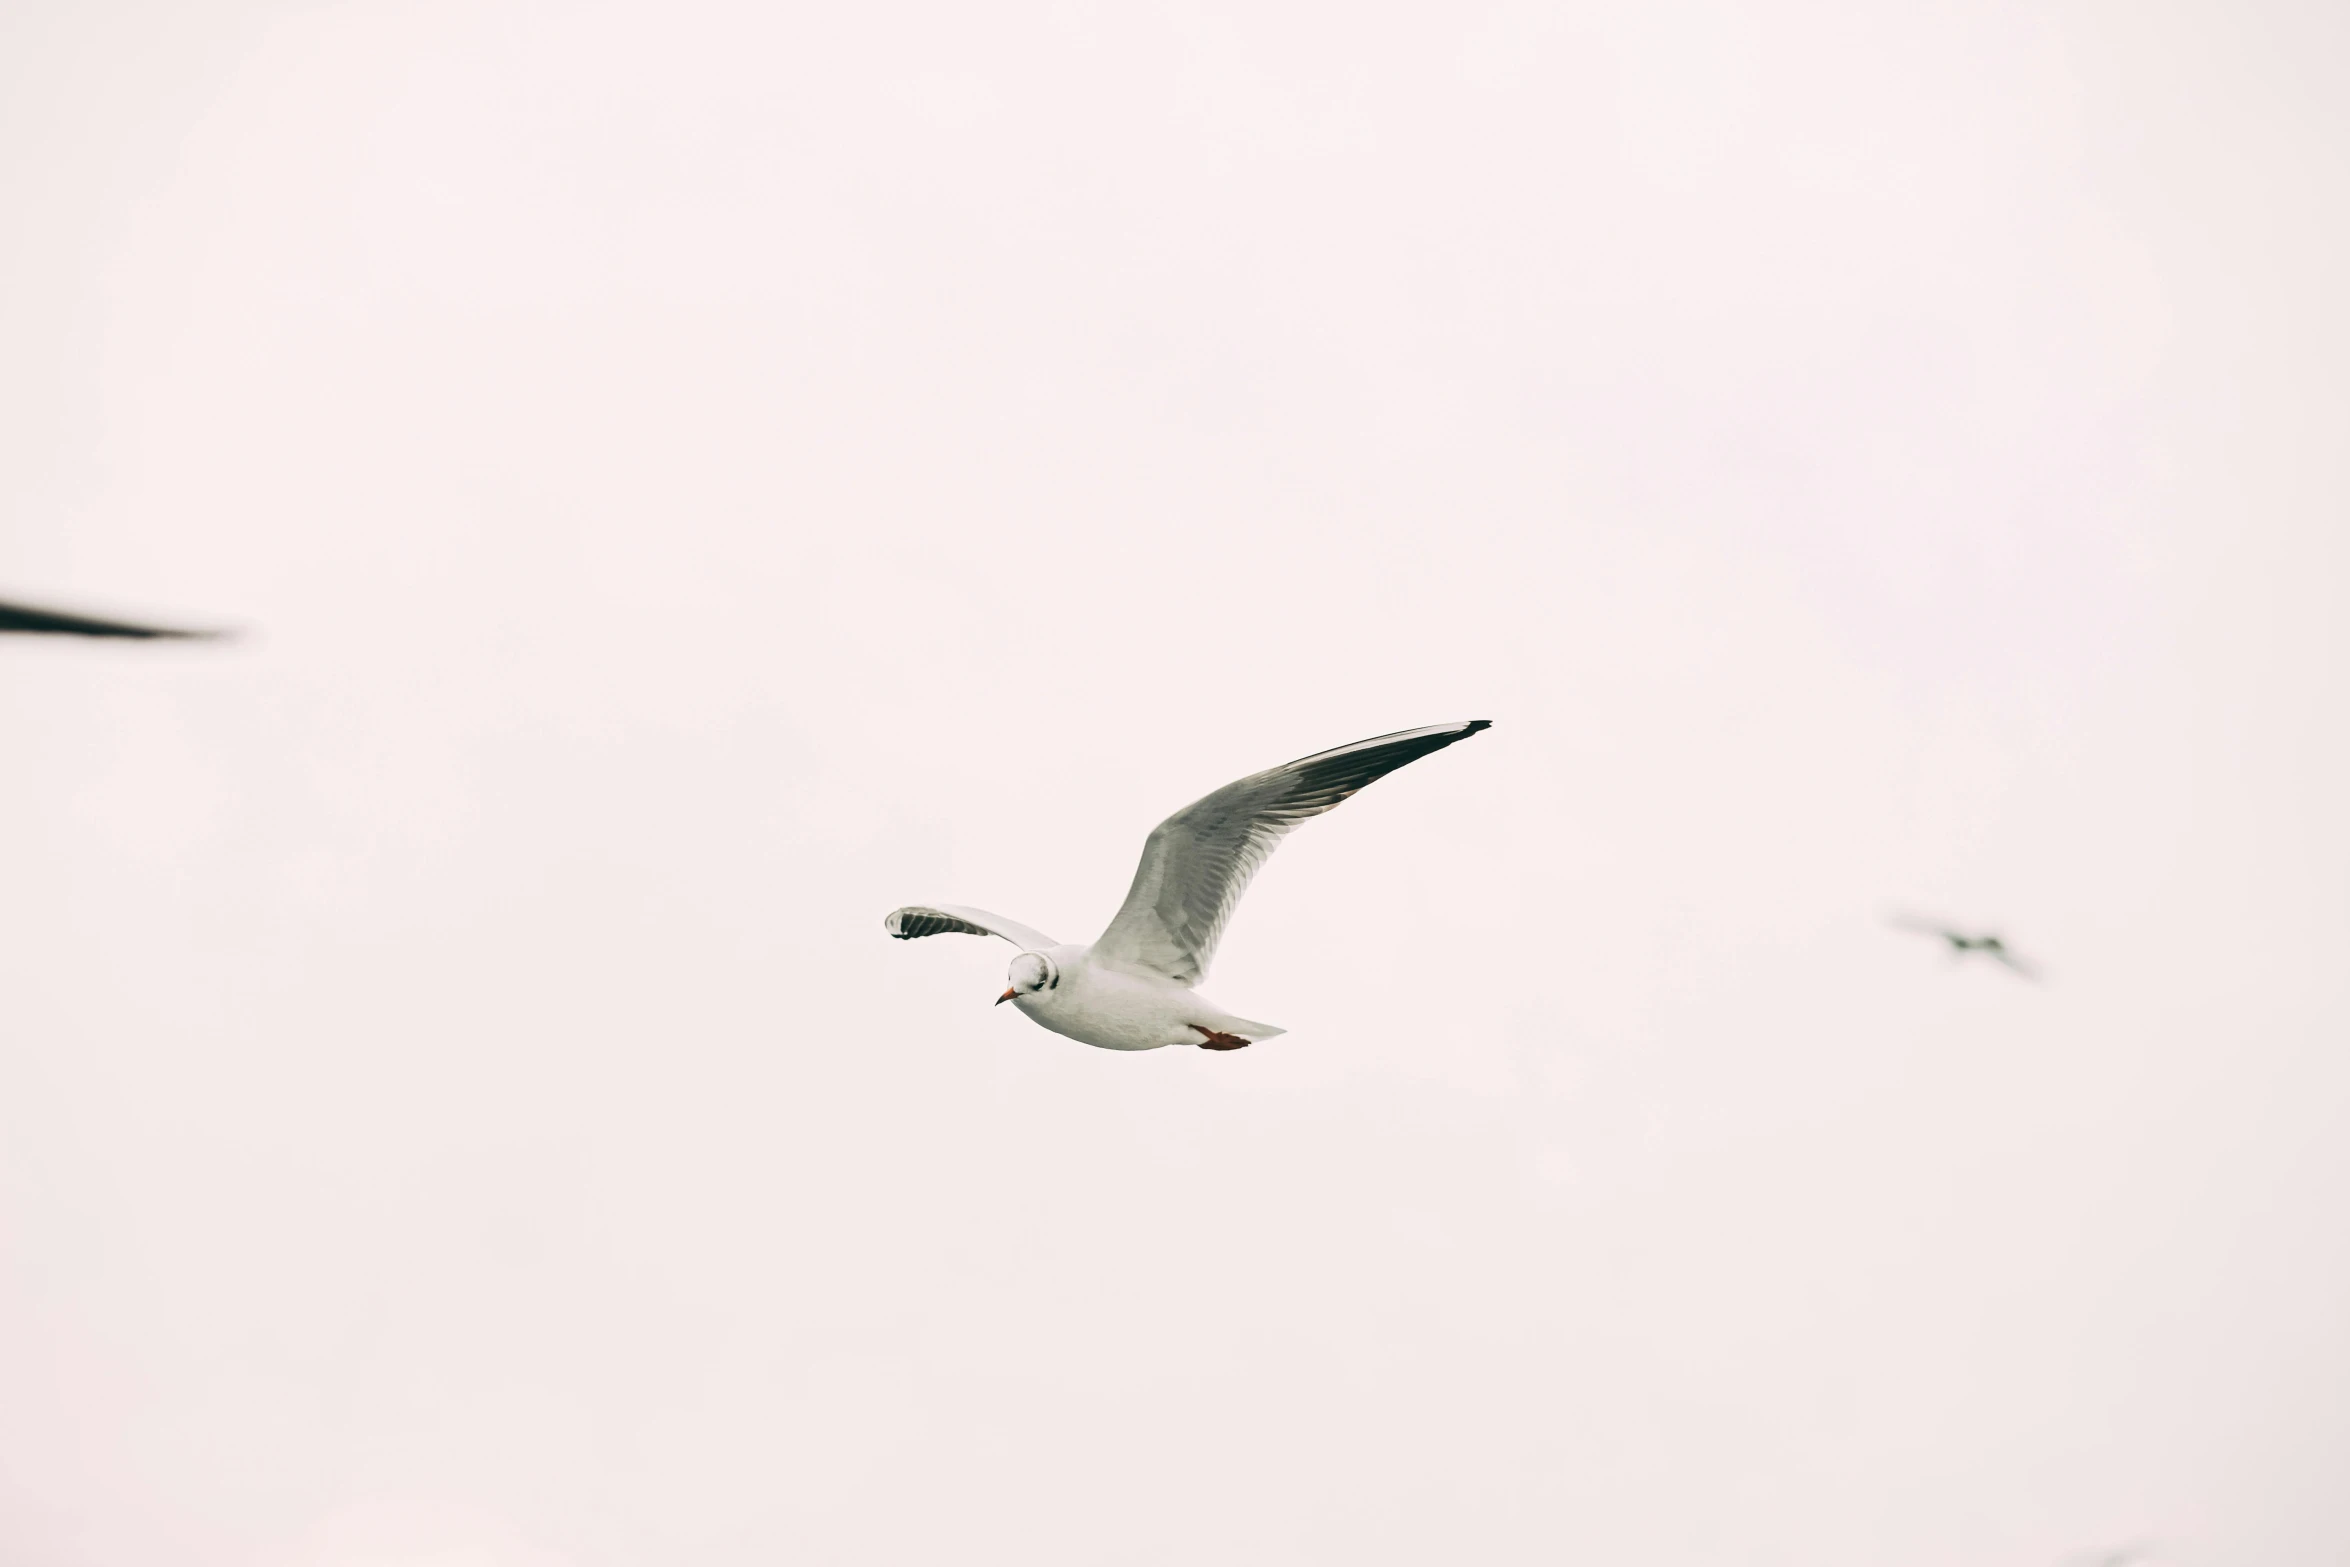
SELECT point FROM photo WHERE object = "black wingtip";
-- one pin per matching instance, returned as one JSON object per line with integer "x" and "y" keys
{"x": 33, "y": 619}
{"x": 1476, "y": 724}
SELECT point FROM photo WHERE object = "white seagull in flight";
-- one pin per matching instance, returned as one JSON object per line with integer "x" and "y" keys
{"x": 1132, "y": 989}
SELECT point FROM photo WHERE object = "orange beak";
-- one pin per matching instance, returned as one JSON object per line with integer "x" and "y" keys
{"x": 1006, "y": 996}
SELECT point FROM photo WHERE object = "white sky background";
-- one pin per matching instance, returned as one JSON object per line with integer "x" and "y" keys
{"x": 700, "y": 476}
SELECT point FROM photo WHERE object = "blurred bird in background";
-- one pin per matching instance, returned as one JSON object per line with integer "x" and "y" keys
{"x": 1962, "y": 943}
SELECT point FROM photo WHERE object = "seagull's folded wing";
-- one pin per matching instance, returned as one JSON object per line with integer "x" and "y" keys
{"x": 1198, "y": 861}
{"x": 939, "y": 919}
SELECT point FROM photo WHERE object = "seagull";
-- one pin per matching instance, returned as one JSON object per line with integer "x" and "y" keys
{"x": 1961, "y": 943}
{"x": 55, "y": 622}
{"x": 1132, "y": 989}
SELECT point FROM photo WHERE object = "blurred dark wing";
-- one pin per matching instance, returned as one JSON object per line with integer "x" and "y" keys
{"x": 940, "y": 919}
{"x": 1921, "y": 926}
{"x": 1198, "y": 861}
{"x": 2027, "y": 970}
{"x": 25, "y": 617}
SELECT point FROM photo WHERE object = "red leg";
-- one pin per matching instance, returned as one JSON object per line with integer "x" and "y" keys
{"x": 1216, "y": 1041}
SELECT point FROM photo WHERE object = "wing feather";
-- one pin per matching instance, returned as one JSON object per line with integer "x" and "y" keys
{"x": 56, "y": 622}
{"x": 1197, "y": 862}
{"x": 938, "y": 919}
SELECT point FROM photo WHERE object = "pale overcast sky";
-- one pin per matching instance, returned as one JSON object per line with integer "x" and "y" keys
{"x": 700, "y": 475}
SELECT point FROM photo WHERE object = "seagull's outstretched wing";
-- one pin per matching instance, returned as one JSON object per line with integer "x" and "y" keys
{"x": 1198, "y": 861}
{"x": 1998, "y": 949}
{"x": 937, "y": 919}
{"x": 56, "y": 622}
{"x": 1919, "y": 925}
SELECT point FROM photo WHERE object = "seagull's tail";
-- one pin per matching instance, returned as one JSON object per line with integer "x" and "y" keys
{"x": 1254, "y": 1033}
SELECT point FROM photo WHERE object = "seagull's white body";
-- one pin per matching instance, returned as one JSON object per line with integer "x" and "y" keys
{"x": 1120, "y": 1008}
{"x": 1133, "y": 988}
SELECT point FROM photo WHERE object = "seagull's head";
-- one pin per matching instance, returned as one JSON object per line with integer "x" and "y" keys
{"x": 1031, "y": 974}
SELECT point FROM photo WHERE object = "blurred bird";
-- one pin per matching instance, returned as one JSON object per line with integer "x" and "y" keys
{"x": 1961, "y": 943}
{"x": 1132, "y": 989}
{"x": 53, "y": 622}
